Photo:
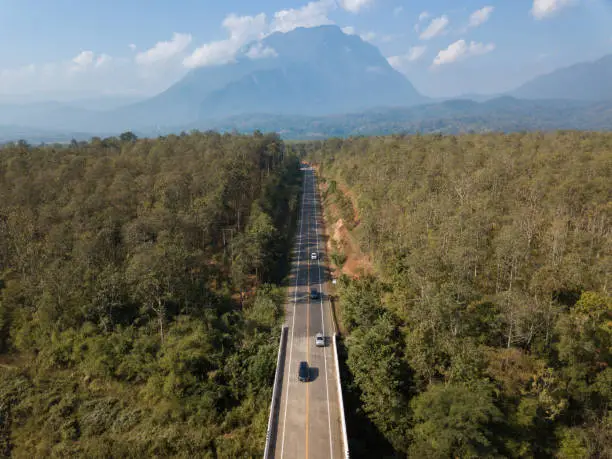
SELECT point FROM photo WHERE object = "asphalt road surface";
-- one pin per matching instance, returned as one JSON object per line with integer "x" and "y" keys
{"x": 309, "y": 423}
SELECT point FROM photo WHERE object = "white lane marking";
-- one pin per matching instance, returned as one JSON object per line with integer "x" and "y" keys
{"x": 297, "y": 275}
{"x": 331, "y": 448}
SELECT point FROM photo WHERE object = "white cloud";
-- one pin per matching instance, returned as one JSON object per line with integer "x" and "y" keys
{"x": 164, "y": 50}
{"x": 84, "y": 59}
{"x": 388, "y": 38}
{"x": 436, "y": 27}
{"x": 354, "y": 6}
{"x": 368, "y": 36}
{"x": 245, "y": 28}
{"x": 400, "y": 62}
{"x": 242, "y": 29}
{"x": 416, "y": 52}
{"x": 101, "y": 73}
{"x": 214, "y": 53}
{"x": 460, "y": 50}
{"x": 311, "y": 15}
{"x": 395, "y": 61}
{"x": 544, "y": 8}
{"x": 398, "y": 10}
{"x": 87, "y": 74}
{"x": 17, "y": 73}
{"x": 424, "y": 15}
{"x": 480, "y": 16}
{"x": 258, "y": 51}
{"x": 102, "y": 60}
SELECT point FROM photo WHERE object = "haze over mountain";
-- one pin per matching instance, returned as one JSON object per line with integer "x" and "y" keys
{"x": 316, "y": 71}
{"x": 308, "y": 71}
{"x": 505, "y": 114}
{"x": 84, "y": 99}
{"x": 306, "y": 75}
{"x": 582, "y": 81}
{"x": 47, "y": 115}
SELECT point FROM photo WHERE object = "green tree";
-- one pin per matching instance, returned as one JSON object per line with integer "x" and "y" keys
{"x": 375, "y": 360}
{"x": 128, "y": 136}
{"x": 454, "y": 420}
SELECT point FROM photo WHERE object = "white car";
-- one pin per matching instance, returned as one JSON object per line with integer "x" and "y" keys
{"x": 314, "y": 256}
{"x": 319, "y": 340}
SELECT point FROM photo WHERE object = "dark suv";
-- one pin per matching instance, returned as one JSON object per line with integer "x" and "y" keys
{"x": 303, "y": 372}
{"x": 314, "y": 294}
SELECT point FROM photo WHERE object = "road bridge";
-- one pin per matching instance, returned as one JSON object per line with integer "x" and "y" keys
{"x": 308, "y": 421}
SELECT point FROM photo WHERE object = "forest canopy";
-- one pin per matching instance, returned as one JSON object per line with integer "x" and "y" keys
{"x": 484, "y": 328}
{"x": 140, "y": 294}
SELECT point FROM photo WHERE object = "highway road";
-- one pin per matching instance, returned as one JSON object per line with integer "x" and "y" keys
{"x": 309, "y": 423}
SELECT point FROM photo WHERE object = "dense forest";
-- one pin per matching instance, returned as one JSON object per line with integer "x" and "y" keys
{"x": 140, "y": 294}
{"x": 484, "y": 326}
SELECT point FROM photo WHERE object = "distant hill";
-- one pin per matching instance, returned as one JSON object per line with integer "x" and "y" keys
{"x": 451, "y": 117}
{"x": 37, "y": 136}
{"x": 505, "y": 114}
{"x": 584, "y": 81}
{"x": 469, "y": 96}
{"x": 48, "y": 116}
{"x": 76, "y": 114}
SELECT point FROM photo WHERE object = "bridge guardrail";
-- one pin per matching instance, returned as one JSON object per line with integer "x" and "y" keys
{"x": 342, "y": 418}
{"x": 276, "y": 388}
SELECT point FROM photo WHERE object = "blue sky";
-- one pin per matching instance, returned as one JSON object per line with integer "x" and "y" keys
{"x": 445, "y": 47}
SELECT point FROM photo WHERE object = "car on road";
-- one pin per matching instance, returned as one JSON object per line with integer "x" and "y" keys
{"x": 314, "y": 256}
{"x": 319, "y": 340}
{"x": 314, "y": 294}
{"x": 303, "y": 372}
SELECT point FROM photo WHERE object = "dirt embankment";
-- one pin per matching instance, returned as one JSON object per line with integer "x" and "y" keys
{"x": 340, "y": 239}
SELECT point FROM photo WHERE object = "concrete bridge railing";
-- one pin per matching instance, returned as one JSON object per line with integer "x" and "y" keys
{"x": 341, "y": 401}
{"x": 276, "y": 392}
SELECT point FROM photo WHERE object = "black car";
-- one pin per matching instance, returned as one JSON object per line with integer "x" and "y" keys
{"x": 303, "y": 372}
{"x": 314, "y": 294}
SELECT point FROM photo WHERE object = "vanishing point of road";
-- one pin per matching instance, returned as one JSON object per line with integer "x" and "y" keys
{"x": 309, "y": 423}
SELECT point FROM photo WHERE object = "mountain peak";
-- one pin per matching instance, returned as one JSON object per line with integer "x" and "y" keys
{"x": 305, "y": 71}
{"x": 324, "y": 29}
{"x": 320, "y": 31}
{"x": 314, "y": 71}
{"x": 581, "y": 81}
{"x": 313, "y": 43}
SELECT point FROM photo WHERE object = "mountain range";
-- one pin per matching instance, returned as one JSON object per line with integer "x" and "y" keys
{"x": 502, "y": 114}
{"x": 584, "y": 81}
{"x": 315, "y": 75}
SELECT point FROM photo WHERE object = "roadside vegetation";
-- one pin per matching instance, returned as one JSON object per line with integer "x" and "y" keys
{"x": 485, "y": 327}
{"x": 139, "y": 294}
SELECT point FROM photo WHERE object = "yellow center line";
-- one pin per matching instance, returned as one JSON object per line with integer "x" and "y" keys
{"x": 308, "y": 337}
{"x": 308, "y": 383}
